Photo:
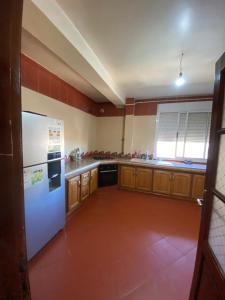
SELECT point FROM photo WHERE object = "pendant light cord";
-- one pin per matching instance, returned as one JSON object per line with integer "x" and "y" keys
{"x": 181, "y": 59}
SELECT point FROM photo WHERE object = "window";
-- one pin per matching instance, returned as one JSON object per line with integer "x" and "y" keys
{"x": 183, "y": 135}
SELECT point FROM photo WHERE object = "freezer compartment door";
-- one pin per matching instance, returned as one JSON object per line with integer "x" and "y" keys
{"x": 41, "y": 135}
{"x": 55, "y": 137}
{"x": 44, "y": 210}
{"x": 35, "y": 139}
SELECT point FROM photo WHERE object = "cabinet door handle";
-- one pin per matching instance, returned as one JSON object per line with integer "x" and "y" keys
{"x": 200, "y": 201}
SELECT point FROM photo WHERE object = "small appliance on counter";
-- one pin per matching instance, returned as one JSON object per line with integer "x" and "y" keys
{"x": 44, "y": 180}
{"x": 75, "y": 154}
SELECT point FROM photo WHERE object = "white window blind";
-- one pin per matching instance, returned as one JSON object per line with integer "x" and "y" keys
{"x": 183, "y": 135}
{"x": 167, "y": 134}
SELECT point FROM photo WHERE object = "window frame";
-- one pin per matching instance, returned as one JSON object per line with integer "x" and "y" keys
{"x": 179, "y": 112}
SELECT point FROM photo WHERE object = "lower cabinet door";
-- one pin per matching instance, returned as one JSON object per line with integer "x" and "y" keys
{"x": 94, "y": 180}
{"x": 73, "y": 196}
{"x": 198, "y": 186}
{"x": 144, "y": 179}
{"x": 181, "y": 184}
{"x": 85, "y": 185}
{"x": 127, "y": 177}
{"x": 162, "y": 182}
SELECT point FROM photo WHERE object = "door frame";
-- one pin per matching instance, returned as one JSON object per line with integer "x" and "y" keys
{"x": 218, "y": 100}
{"x": 14, "y": 282}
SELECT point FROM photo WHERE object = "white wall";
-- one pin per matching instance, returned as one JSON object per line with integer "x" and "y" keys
{"x": 144, "y": 134}
{"x": 128, "y": 133}
{"x": 109, "y": 134}
{"x": 101, "y": 133}
{"x": 139, "y": 134}
{"x": 79, "y": 127}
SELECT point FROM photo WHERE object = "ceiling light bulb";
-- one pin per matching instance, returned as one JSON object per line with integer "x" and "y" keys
{"x": 180, "y": 80}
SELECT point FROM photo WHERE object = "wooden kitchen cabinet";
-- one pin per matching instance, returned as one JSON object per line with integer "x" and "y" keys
{"x": 198, "y": 186}
{"x": 127, "y": 177}
{"x": 173, "y": 183}
{"x": 136, "y": 178}
{"x": 73, "y": 198}
{"x": 94, "y": 180}
{"x": 181, "y": 184}
{"x": 144, "y": 179}
{"x": 85, "y": 185}
{"x": 161, "y": 182}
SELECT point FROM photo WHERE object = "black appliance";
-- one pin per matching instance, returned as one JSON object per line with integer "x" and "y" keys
{"x": 107, "y": 174}
{"x": 54, "y": 170}
{"x": 102, "y": 157}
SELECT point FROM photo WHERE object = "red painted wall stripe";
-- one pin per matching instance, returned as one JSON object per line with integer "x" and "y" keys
{"x": 107, "y": 109}
{"x": 39, "y": 79}
{"x": 145, "y": 109}
{"x": 130, "y": 106}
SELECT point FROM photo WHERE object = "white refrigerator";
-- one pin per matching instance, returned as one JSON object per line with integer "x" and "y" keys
{"x": 44, "y": 179}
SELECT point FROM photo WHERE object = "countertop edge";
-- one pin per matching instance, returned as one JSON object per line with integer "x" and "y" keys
{"x": 91, "y": 165}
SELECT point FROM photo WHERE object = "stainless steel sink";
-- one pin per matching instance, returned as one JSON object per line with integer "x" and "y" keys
{"x": 152, "y": 162}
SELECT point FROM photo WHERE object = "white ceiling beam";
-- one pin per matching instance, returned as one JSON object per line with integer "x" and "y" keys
{"x": 46, "y": 21}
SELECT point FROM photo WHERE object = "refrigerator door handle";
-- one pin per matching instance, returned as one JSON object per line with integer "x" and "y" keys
{"x": 55, "y": 175}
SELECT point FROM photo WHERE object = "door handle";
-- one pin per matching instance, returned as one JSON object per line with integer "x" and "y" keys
{"x": 200, "y": 201}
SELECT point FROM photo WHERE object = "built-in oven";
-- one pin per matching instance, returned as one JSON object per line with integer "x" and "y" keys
{"x": 107, "y": 174}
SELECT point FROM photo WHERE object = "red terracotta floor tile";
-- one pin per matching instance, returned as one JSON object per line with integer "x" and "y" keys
{"x": 120, "y": 245}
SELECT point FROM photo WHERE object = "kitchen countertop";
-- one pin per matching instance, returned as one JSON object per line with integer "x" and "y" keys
{"x": 77, "y": 167}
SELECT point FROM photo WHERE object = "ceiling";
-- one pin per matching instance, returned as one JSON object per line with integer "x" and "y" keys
{"x": 34, "y": 49}
{"x": 127, "y": 48}
{"x": 139, "y": 41}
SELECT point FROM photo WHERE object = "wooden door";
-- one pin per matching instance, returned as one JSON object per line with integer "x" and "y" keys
{"x": 13, "y": 262}
{"x": 94, "y": 180}
{"x": 73, "y": 192}
{"x": 85, "y": 185}
{"x": 144, "y": 179}
{"x": 209, "y": 276}
{"x": 127, "y": 177}
{"x": 198, "y": 186}
{"x": 162, "y": 182}
{"x": 181, "y": 184}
